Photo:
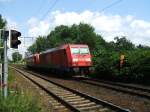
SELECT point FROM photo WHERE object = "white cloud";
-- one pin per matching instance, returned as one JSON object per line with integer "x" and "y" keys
{"x": 38, "y": 27}
{"x": 140, "y": 24}
{"x": 11, "y": 24}
{"x": 108, "y": 26}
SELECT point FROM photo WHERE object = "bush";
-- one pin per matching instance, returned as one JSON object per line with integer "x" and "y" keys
{"x": 140, "y": 67}
{"x": 106, "y": 64}
{"x": 17, "y": 102}
{"x": 136, "y": 68}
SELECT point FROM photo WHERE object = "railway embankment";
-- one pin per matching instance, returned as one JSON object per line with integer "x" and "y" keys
{"x": 134, "y": 103}
{"x": 24, "y": 96}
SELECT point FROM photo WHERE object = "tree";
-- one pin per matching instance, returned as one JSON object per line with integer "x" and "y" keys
{"x": 60, "y": 35}
{"x": 16, "y": 57}
{"x": 32, "y": 48}
{"x": 123, "y": 44}
{"x": 3, "y": 22}
{"x": 75, "y": 34}
{"x": 143, "y": 47}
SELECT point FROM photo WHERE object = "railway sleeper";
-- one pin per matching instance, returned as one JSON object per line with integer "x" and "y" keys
{"x": 66, "y": 96}
{"x": 60, "y": 93}
{"x": 72, "y": 97}
{"x": 89, "y": 108}
{"x": 57, "y": 89}
{"x": 58, "y": 106}
{"x": 73, "y": 100}
{"x": 80, "y": 102}
{"x": 85, "y": 104}
{"x": 105, "y": 110}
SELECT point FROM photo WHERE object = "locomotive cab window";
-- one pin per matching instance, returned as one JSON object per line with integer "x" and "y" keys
{"x": 75, "y": 50}
{"x": 84, "y": 50}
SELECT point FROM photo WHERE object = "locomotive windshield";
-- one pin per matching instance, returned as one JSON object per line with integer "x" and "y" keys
{"x": 75, "y": 50}
{"x": 83, "y": 50}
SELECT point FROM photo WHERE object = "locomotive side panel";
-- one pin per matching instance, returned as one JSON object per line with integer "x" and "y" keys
{"x": 36, "y": 59}
{"x": 59, "y": 58}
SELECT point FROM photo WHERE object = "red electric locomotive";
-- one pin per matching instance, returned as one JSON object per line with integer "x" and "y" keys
{"x": 66, "y": 58}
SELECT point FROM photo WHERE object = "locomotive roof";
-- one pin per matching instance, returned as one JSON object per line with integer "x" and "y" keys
{"x": 54, "y": 49}
{"x": 49, "y": 50}
{"x": 31, "y": 55}
{"x": 58, "y": 48}
{"x": 63, "y": 47}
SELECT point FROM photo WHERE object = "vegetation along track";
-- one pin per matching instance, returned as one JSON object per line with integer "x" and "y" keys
{"x": 130, "y": 89}
{"x": 72, "y": 99}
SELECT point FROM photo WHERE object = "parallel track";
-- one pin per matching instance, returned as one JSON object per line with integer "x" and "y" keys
{"x": 133, "y": 90}
{"x": 72, "y": 99}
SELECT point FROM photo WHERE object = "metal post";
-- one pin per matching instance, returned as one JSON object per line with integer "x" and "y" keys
{"x": 5, "y": 65}
{"x": 0, "y": 65}
{"x": 1, "y": 78}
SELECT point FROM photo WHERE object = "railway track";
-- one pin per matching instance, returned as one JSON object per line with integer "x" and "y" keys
{"x": 130, "y": 89}
{"x": 70, "y": 98}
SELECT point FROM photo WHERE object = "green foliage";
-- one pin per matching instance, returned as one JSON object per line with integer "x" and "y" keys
{"x": 11, "y": 77}
{"x": 75, "y": 34}
{"x": 16, "y": 57}
{"x": 2, "y": 22}
{"x": 106, "y": 63}
{"x": 136, "y": 67}
{"x": 33, "y": 48}
{"x": 39, "y": 45}
{"x": 139, "y": 60}
{"x": 17, "y": 102}
{"x": 123, "y": 44}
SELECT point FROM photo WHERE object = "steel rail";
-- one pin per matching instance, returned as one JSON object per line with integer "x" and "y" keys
{"x": 97, "y": 101}
{"x": 124, "y": 89}
{"x": 71, "y": 107}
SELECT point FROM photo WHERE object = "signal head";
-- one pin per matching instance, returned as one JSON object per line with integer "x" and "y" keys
{"x": 14, "y": 42}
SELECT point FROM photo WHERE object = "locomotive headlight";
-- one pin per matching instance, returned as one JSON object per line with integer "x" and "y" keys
{"x": 75, "y": 59}
{"x": 88, "y": 59}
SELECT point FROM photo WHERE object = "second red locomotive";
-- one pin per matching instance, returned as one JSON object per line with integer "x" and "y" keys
{"x": 66, "y": 58}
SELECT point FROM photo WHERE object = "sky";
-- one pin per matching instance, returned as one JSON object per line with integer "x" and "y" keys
{"x": 110, "y": 18}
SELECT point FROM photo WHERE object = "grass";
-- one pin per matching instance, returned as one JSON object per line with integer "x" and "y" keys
{"x": 17, "y": 100}
{"x": 11, "y": 77}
